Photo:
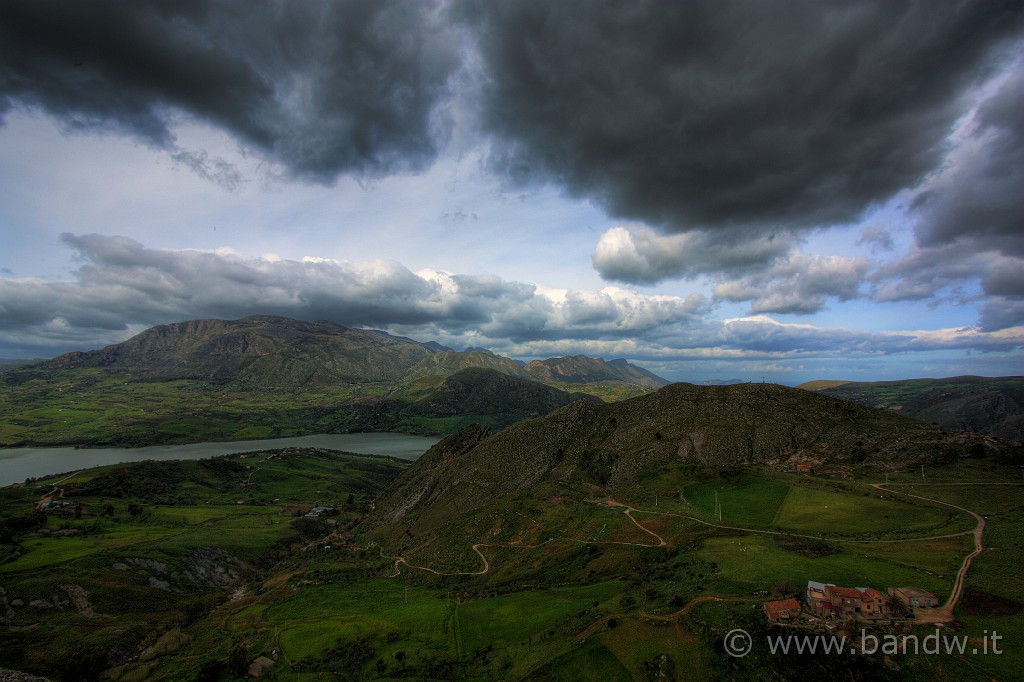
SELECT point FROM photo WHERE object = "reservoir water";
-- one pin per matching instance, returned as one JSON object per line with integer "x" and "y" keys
{"x": 17, "y": 464}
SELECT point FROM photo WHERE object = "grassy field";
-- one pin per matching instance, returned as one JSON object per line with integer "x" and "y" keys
{"x": 756, "y": 563}
{"x": 591, "y": 661}
{"x": 745, "y": 501}
{"x": 98, "y": 409}
{"x": 514, "y": 618}
{"x": 811, "y": 510}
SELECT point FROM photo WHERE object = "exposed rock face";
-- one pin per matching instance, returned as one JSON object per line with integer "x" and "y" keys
{"x": 214, "y": 567}
{"x": 267, "y": 351}
{"x": 80, "y": 598}
{"x": 418, "y": 484}
{"x": 258, "y": 351}
{"x": 260, "y": 667}
{"x": 205, "y": 567}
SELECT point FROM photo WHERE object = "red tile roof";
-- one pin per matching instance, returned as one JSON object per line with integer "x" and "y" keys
{"x": 775, "y": 609}
{"x": 843, "y": 592}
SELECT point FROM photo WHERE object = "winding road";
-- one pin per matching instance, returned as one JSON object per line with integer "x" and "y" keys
{"x": 940, "y": 614}
{"x": 519, "y": 545}
{"x": 944, "y": 613}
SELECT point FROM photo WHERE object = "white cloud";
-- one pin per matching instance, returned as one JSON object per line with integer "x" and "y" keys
{"x": 121, "y": 283}
{"x": 799, "y": 283}
{"x": 638, "y": 254}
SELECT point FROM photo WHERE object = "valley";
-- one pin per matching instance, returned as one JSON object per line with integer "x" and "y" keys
{"x": 173, "y": 570}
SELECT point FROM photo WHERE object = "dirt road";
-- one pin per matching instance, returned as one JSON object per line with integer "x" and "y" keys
{"x": 944, "y": 613}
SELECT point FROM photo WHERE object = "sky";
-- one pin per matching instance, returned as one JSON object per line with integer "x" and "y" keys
{"x": 761, "y": 190}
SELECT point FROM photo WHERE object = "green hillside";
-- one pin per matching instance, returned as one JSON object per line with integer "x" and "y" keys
{"x": 143, "y": 552}
{"x": 612, "y": 445}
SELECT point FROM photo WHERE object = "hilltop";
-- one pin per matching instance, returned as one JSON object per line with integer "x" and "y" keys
{"x": 993, "y": 406}
{"x": 718, "y": 426}
{"x": 472, "y": 395}
{"x": 257, "y": 351}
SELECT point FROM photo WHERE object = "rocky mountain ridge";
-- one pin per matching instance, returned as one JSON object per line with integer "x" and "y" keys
{"x": 269, "y": 351}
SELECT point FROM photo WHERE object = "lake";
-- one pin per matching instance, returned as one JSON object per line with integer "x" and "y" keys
{"x": 17, "y": 464}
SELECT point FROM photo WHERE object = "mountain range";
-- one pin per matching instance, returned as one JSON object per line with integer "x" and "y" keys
{"x": 264, "y": 350}
{"x": 265, "y": 376}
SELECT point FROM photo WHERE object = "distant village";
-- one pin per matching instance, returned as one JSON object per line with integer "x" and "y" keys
{"x": 826, "y": 603}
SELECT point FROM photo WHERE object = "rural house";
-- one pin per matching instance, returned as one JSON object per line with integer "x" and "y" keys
{"x": 826, "y": 600}
{"x": 913, "y": 597}
{"x": 781, "y": 611}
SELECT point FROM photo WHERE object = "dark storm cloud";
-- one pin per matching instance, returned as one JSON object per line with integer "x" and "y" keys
{"x": 1002, "y": 313}
{"x": 971, "y": 218}
{"x": 978, "y": 203}
{"x": 924, "y": 273}
{"x": 693, "y": 114}
{"x": 704, "y": 114}
{"x": 321, "y": 87}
